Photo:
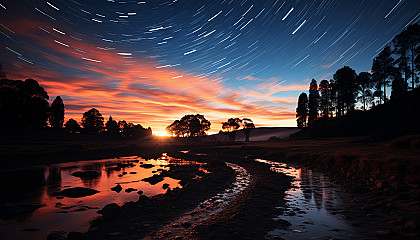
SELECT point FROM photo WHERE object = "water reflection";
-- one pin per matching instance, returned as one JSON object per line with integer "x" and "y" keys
{"x": 26, "y": 190}
{"x": 312, "y": 206}
{"x": 53, "y": 180}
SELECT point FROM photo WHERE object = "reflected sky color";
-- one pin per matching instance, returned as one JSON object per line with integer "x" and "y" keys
{"x": 41, "y": 184}
{"x": 151, "y": 62}
{"x": 313, "y": 204}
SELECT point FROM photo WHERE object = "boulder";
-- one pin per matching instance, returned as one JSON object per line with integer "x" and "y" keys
{"x": 110, "y": 211}
{"x": 153, "y": 179}
{"x": 117, "y": 188}
{"x": 147, "y": 165}
{"x": 128, "y": 190}
{"x": 77, "y": 192}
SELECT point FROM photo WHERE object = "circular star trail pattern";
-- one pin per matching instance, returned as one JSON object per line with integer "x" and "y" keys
{"x": 153, "y": 61}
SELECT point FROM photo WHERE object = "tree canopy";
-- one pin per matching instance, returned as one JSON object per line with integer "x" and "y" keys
{"x": 112, "y": 127}
{"x": 302, "y": 110}
{"x": 56, "y": 117}
{"x": 313, "y": 103}
{"x": 23, "y": 104}
{"x": 93, "y": 121}
{"x": 72, "y": 126}
{"x": 383, "y": 70}
{"x": 248, "y": 125}
{"x": 232, "y": 124}
{"x": 189, "y": 126}
{"x": 345, "y": 80}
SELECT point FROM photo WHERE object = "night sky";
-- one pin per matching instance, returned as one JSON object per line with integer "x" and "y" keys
{"x": 152, "y": 62}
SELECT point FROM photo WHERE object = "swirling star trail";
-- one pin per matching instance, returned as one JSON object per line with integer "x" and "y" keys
{"x": 151, "y": 62}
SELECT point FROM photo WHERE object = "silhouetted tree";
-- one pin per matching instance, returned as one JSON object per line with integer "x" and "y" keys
{"x": 138, "y": 131}
{"x": 125, "y": 128}
{"x": 383, "y": 69}
{"x": 57, "y": 113}
{"x": 2, "y": 73}
{"x": 23, "y": 104}
{"x": 398, "y": 86}
{"x": 313, "y": 104}
{"x": 377, "y": 94}
{"x": 231, "y": 126}
{"x": 189, "y": 125}
{"x": 324, "y": 101}
{"x": 302, "y": 110}
{"x": 248, "y": 125}
{"x": 177, "y": 128}
{"x": 93, "y": 121}
{"x": 401, "y": 50}
{"x": 345, "y": 80}
{"x": 413, "y": 36}
{"x": 72, "y": 126}
{"x": 197, "y": 124}
{"x": 333, "y": 97}
{"x": 112, "y": 127}
{"x": 364, "y": 84}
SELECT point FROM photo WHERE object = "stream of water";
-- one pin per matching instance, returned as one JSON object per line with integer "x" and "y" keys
{"x": 313, "y": 207}
{"x": 31, "y": 209}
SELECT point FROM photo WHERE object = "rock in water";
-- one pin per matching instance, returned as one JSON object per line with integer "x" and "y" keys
{"x": 77, "y": 192}
{"x": 147, "y": 165}
{"x": 153, "y": 179}
{"x": 128, "y": 190}
{"x": 117, "y": 188}
{"x": 110, "y": 211}
{"x": 86, "y": 174}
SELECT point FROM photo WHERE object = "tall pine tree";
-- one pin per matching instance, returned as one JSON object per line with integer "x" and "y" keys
{"x": 302, "y": 110}
{"x": 313, "y": 104}
{"x": 56, "y": 117}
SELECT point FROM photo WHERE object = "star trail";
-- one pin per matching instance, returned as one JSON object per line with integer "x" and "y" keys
{"x": 151, "y": 62}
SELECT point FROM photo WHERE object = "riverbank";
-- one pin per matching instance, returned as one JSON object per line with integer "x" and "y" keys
{"x": 381, "y": 179}
{"x": 249, "y": 216}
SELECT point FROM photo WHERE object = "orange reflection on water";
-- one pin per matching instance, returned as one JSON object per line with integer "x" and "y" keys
{"x": 74, "y": 214}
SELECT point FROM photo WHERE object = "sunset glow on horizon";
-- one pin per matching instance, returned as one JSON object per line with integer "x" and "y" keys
{"x": 153, "y": 63}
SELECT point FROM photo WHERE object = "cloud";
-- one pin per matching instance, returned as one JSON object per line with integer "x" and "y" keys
{"x": 249, "y": 78}
{"x": 139, "y": 90}
{"x": 326, "y": 76}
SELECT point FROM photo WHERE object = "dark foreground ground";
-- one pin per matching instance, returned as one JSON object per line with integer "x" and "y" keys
{"x": 382, "y": 177}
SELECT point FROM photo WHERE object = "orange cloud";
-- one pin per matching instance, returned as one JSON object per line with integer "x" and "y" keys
{"x": 141, "y": 91}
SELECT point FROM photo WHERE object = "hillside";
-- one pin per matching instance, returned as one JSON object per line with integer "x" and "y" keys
{"x": 395, "y": 118}
{"x": 257, "y": 134}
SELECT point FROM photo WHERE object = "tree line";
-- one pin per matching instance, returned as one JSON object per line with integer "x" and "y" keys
{"x": 197, "y": 125}
{"x": 24, "y": 104}
{"x": 396, "y": 65}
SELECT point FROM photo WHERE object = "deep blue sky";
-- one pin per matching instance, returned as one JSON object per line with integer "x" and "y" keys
{"x": 154, "y": 61}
